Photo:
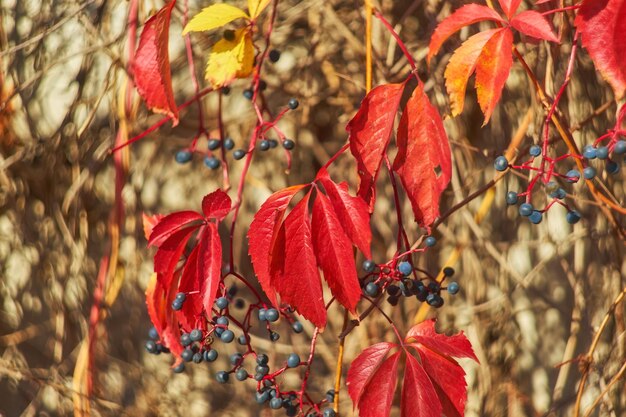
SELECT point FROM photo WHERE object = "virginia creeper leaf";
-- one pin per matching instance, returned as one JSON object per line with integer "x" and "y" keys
{"x": 370, "y": 131}
{"x": 216, "y": 205}
{"x": 155, "y": 302}
{"x": 461, "y": 66}
{"x": 171, "y": 224}
{"x": 209, "y": 266}
{"x": 230, "y": 59}
{"x": 149, "y": 222}
{"x": 214, "y": 16}
{"x": 456, "y": 345}
{"x": 300, "y": 285}
{"x": 262, "y": 234}
{"x": 169, "y": 249}
{"x": 418, "y": 393}
{"x": 364, "y": 367}
{"x": 463, "y": 16}
{"x": 255, "y": 7}
{"x": 424, "y": 159}
{"x": 602, "y": 24}
{"x": 352, "y": 213}
{"x": 151, "y": 67}
{"x": 492, "y": 70}
{"x": 378, "y": 394}
{"x": 334, "y": 254}
{"x": 190, "y": 285}
{"x": 509, "y": 6}
{"x": 533, "y": 24}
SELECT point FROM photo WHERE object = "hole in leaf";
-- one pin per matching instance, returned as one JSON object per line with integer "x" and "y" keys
{"x": 438, "y": 171}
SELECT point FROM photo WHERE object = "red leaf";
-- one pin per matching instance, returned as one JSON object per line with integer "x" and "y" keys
{"x": 364, "y": 367}
{"x": 155, "y": 302}
{"x": 171, "y": 224}
{"x": 149, "y": 222}
{"x": 463, "y": 16}
{"x": 190, "y": 285}
{"x": 509, "y": 6}
{"x": 461, "y": 66}
{"x": 216, "y": 205}
{"x": 334, "y": 254}
{"x": 533, "y": 24}
{"x": 370, "y": 130}
{"x": 171, "y": 250}
{"x": 492, "y": 70}
{"x": 418, "y": 392}
{"x": 151, "y": 67}
{"x": 423, "y": 160}
{"x": 209, "y": 266}
{"x": 456, "y": 345}
{"x": 378, "y": 394}
{"x": 299, "y": 284}
{"x": 262, "y": 234}
{"x": 171, "y": 333}
{"x": 351, "y": 211}
{"x": 603, "y": 27}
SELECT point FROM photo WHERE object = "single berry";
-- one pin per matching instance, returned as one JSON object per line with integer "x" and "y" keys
{"x": 430, "y": 241}
{"x": 589, "y": 173}
{"x": 329, "y": 412}
{"x": 293, "y": 103}
{"x": 239, "y": 154}
{"x": 182, "y": 157}
{"x": 271, "y": 315}
{"x": 276, "y": 403}
{"x": 187, "y": 355}
{"x": 262, "y": 314}
{"x": 590, "y": 152}
{"x": 153, "y": 333}
{"x": 241, "y": 374}
{"x": 222, "y": 320}
{"x": 264, "y": 145}
{"x": 393, "y": 290}
{"x": 448, "y": 271}
{"x": 229, "y": 143}
{"x": 226, "y": 90}
{"x": 501, "y": 163}
{"x": 371, "y": 289}
{"x": 558, "y": 193}
{"x": 262, "y": 369}
{"x": 219, "y": 331}
{"x": 453, "y": 288}
{"x": 572, "y": 176}
{"x": 195, "y": 335}
{"x": 434, "y": 287}
{"x": 232, "y": 291}
{"x": 293, "y": 360}
{"x": 177, "y": 305}
{"x": 572, "y": 217}
{"x": 262, "y": 85}
{"x": 274, "y": 336}
{"x": 525, "y": 209}
{"x": 406, "y": 287}
{"x": 248, "y": 93}
{"x": 330, "y": 395}
{"x": 534, "y": 150}
{"x": 262, "y": 359}
{"x": 535, "y": 217}
{"x": 434, "y": 300}
{"x": 291, "y": 410}
{"x": 229, "y": 35}
{"x": 511, "y": 198}
{"x": 221, "y": 303}
{"x": 240, "y": 303}
{"x": 405, "y": 268}
{"x": 162, "y": 349}
{"x": 368, "y": 265}
{"x": 243, "y": 340}
{"x": 222, "y": 377}
{"x": 236, "y": 359}
{"x": 214, "y": 144}
{"x": 180, "y": 368}
{"x": 612, "y": 167}
{"x": 151, "y": 346}
{"x": 297, "y": 327}
{"x": 185, "y": 339}
{"x": 180, "y": 297}
{"x": 602, "y": 152}
{"x": 274, "y": 55}
{"x": 289, "y": 144}
{"x": 273, "y": 143}
{"x": 210, "y": 355}
{"x": 212, "y": 162}
{"x": 262, "y": 397}
{"x": 197, "y": 357}
{"x": 620, "y": 147}
{"x": 393, "y": 300}
{"x": 228, "y": 336}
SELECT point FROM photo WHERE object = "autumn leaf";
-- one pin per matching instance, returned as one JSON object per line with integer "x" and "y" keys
{"x": 423, "y": 161}
{"x": 149, "y": 221}
{"x": 602, "y": 25}
{"x": 255, "y": 7}
{"x": 216, "y": 205}
{"x": 172, "y": 223}
{"x": 230, "y": 59}
{"x": 509, "y": 7}
{"x": 151, "y": 66}
{"x": 370, "y": 130}
{"x": 534, "y": 24}
{"x": 213, "y": 17}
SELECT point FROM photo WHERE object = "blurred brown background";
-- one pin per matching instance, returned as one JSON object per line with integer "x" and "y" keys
{"x": 531, "y": 298}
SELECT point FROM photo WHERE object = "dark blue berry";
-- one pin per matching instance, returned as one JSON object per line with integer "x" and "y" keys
{"x": 248, "y": 93}
{"x": 228, "y": 336}
{"x": 182, "y": 157}
{"x": 262, "y": 314}
{"x": 276, "y": 403}
{"x": 274, "y": 336}
{"x": 239, "y": 154}
{"x": 558, "y": 193}
{"x": 197, "y": 357}
{"x": 180, "y": 297}
{"x": 368, "y": 265}
{"x": 453, "y": 288}
{"x": 151, "y": 346}
{"x": 264, "y": 145}
{"x": 602, "y": 152}
{"x": 240, "y": 303}
{"x": 229, "y": 143}
{"x": 297, "y": 327}
{"x": 262, "y": 85}
{"x": 236, "y": 359}
{"x": 177, "y": 305}
{"x": 330, "y": 395}
{"x": 180, "y": 368}
{"x": 210, "y": 355}
{"x": 430, "y": 241}
{"x": 371, "y": 289}
{"x": 195, "y": 335}
{"x": 241, "y": 374}
{"x": 219, "y": 331}
{"x": 153, "y": 334}
{"x": 262, "y": 359}
{"x": 289, "y": 144}
{"x": 293, "y": 103}
{"x": 291, "y": 410}
{"x": 572, "y": 176}
{"x": 534, "y": 150}
{"x": 229, "y": 35}
{"x": 525, "y": 209}
{"x": 185, "y": 339}
{"x": 329, "y": 412}
{"x": 222, "y": 377}
{"x": 405, "y": 268}
{"x": 448, "y": 271}
{"x": 434, "y": 300}
{"x": 393, "y": 300}
{"x": 187, "y": 355}
{"x": 511, "y": 198}
{"x": 589, "y": 152}
{"x": 222, "y": 320}
{"x": 221, "y": 303}
{"x": 273, "y": 143}
{"x": 535, "y": 217}
{"x": 572, "y": 217}
{"x": 262, "y": 369}
{"x": 612, "y": 167}
{"x": 620, "y": 147}
{"x": 262, "y": 397}
{"x": 214, "y": 144}
{"x": 589, "y": 172}
{"x": 243, "y": 340}
{"x": 212, "y": 162}
{"x": 274, "y": 55}
{"x": 501, "y": 163}
{"x": 393, "y": 290}
{"x": 434, "y": 287}
{"x": 226, "y": 90}
{"x": 271, "y": 315}
{"x": 293, "y": 360}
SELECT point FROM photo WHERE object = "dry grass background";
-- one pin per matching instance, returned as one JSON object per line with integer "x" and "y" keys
{"x": 532, "y": 297}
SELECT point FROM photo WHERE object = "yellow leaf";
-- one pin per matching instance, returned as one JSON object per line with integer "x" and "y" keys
{"x": 230, "y": 59}
{"x": 255, "y": 7}
{"x": 213, "y": 17}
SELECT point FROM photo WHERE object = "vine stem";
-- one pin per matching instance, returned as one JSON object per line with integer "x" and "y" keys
{"x": 308, "y": 365}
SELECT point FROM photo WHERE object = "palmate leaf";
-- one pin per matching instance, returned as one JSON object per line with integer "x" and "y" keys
{"x": 213, "y": 17}
{"x": 230, "y": 59}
